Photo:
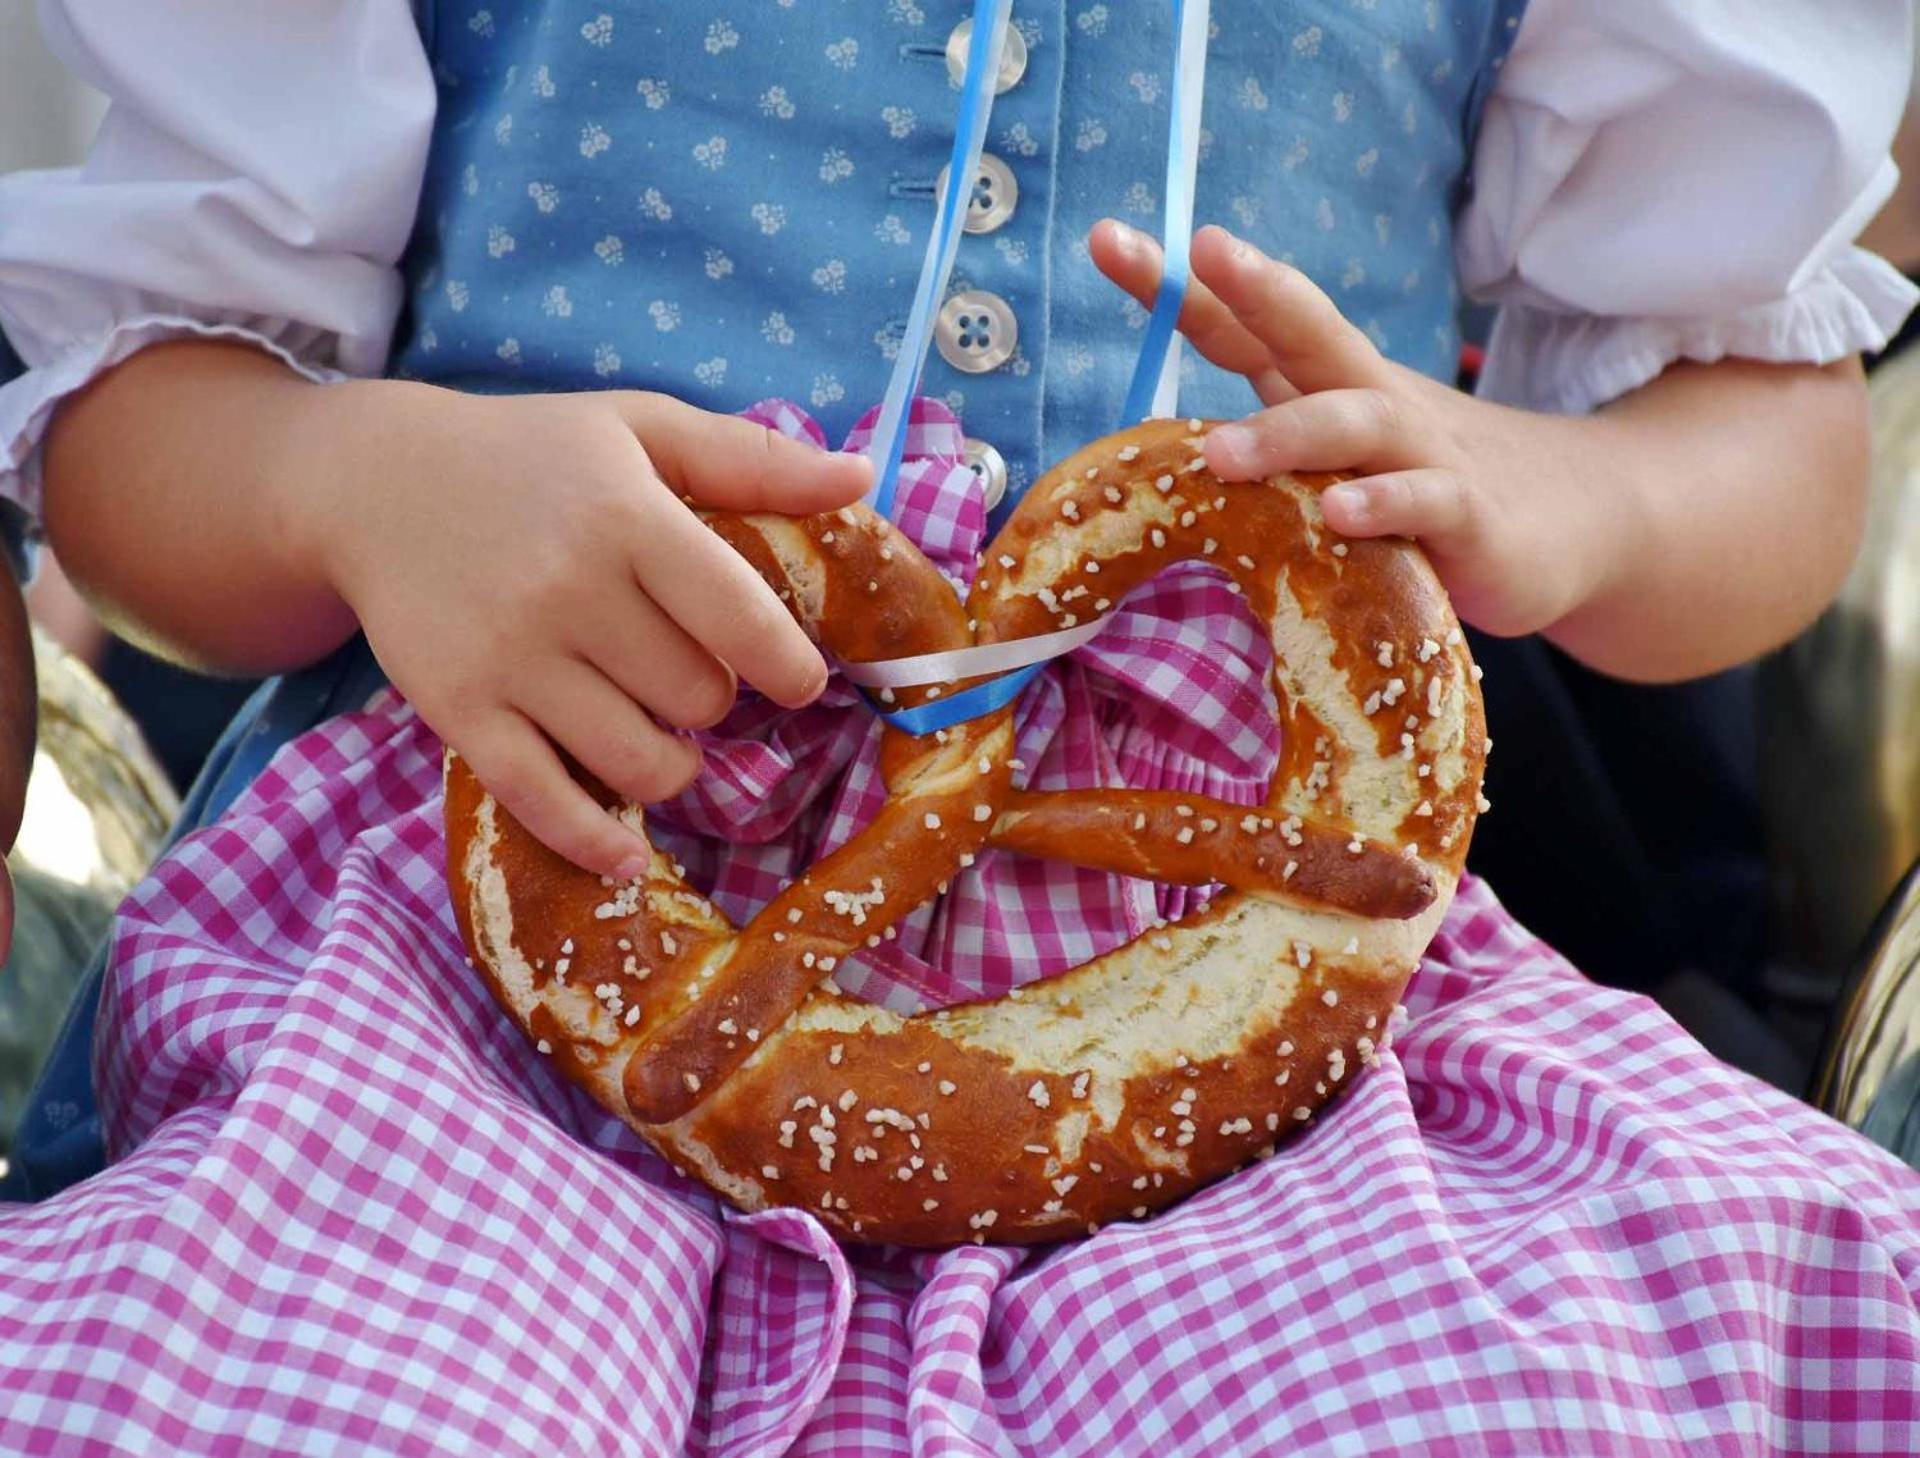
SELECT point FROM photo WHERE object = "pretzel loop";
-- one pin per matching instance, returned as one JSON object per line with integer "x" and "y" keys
{"x": 1113, "y": 1088}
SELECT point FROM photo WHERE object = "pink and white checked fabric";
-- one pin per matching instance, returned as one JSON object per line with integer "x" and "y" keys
{"x": 353, "y": 1212}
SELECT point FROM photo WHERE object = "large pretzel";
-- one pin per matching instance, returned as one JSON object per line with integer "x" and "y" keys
{"x": 1110, "y": 1090}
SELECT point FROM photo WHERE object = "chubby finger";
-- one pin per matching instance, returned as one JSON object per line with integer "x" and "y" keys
{"x": 734, "y": 464}
{"x": 1334, "y": 430}
{"x": 725, "y": 606}
{"x": 1432, "y": 504}
{"x": 1133, "y": 261}
{"x": 584, "y": 712}
{"x": 1310, "y": 341}
{"x": 519, "y": 767}
{"x": 654, "y": 662}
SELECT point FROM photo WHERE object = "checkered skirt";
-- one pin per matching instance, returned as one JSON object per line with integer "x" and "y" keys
{"x": 352, "y": 1211}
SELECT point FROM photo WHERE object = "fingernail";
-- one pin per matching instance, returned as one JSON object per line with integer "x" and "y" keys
{"x": 1125, "y": 237}
{"x": 1233, "y": 440}
{"x": 1349, "y": 501}
{"x": 632, "y": 868}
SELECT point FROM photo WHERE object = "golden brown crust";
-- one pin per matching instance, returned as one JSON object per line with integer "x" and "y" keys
{"x": 1117, "y": 1087}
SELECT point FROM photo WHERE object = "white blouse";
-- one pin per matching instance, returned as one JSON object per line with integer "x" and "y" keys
{"x": 1622, "y": 150}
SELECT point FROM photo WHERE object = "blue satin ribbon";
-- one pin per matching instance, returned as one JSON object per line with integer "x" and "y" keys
{"x": 1150, "y": 370}
{"x": 974, "y": 703}
{"x": 990, "y": 20}
{"x": 1177, "y": 234}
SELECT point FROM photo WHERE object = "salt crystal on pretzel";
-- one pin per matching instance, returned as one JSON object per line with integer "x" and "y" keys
{"x": 1143, "y": 1074}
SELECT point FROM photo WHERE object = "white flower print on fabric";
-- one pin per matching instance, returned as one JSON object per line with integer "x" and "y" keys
{"x": 711, "y": 371}
{"x": 1382, "y": 228}
{"x": 429, "y": 339}
{"x": 845, "y": 54}
{"x": 457, "y": 296}
{"x": 1367, "y": 161}
{"x": 598, "y": 31}
{"x": 891, "y": 230}
{"x": 470, "y": 181}
{"x": 1014, "y": 250}
{"x": 481, "y": 24}
{"x": 888, "y": 338}
{"x": 654, "y": 206}
{"x": 654, "y": 91}
{"x": 1020, "y": 141}
{"x": 1390, "y": 58}
{"x": 1029, "y": 32}
{"x": 1206, "y": 143}
{"x": 905, "y": 12}
{"x": 1307, "y": 43}
{"x": 775, "y": 329}
{"x": 1092, "y": 21}
{"x": 826, "y": 390}
{"x": 899, "y": 119}
{"x": 1133, "y": 313}
{"x": 1077, "y": 359}
{"x": 556, "y": 304}
{"x": 1343, "y": 106}
{"x": 594, "y": 140}
{"x": 770, "y": 216}
{"x": 955, "y": 400}
{"x": 1252, "y": 96}
{"x": 1246, "y": 210}
{"x": 1139, "y": 198}
{"x": 610, "y": 250}
{"x": 712, "y": 153}
{"x": 499, "y": 242}
{"x": 503, "y": 129}
{"x": 1323, "y": 214}
{"x": 665, "y": 315}
{"x": 545, "y": 195}
{"x": 721, "y": 36}
{"x": 1091, "y": 133}
{"x": 1296, "y": 155}
{"x": 606, "y": 360}
{"x": 718, "y": 265}
{"x": 775, "y": 102}
{"x": 1145, "y": 86}
{"x": 831, "y": 277}
{"x": 835, "y": 166}
{"x": 1410, "y": 120}
{"x": 542, "y": 83}
{"x": 1354, "y": 275}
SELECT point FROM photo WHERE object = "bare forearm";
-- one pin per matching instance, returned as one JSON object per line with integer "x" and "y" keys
{"x": 173, "y": 490}
{"x": 1735, "y": 495}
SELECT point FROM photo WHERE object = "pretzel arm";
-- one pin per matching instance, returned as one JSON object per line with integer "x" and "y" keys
{"x": 1163, "y": 835}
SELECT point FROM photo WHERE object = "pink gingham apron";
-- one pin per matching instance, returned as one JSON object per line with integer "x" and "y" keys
{"x": 353, "y": 1211}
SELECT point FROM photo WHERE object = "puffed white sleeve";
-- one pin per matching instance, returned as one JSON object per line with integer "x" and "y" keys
{"x": 255, "y": 177}
{"x": 1657, "y": 180}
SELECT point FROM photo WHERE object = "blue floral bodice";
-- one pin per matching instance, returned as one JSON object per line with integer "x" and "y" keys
{"x": 728, "y": 201}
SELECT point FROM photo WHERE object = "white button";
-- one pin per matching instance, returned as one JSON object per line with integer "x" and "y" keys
{"x": 990, "y": 466}
{"x": 995, "y": 194}
{"x": 1013, "y": 58}
{"x": 976, "y": 332}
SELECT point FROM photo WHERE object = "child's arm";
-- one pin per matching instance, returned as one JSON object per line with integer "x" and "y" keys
{"x": 523, "y": 567}
{"x": 1701, "y": 520}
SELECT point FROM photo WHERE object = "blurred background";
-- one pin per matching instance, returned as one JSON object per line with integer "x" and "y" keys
{"x": 1757, "y": 828}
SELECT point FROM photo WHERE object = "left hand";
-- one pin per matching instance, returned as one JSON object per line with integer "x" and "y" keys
{"x": 1508, "y": 505}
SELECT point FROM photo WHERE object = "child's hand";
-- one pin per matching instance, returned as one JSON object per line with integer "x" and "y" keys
{"x": 1486, "y": 491}
{"x": 528, "y": 576}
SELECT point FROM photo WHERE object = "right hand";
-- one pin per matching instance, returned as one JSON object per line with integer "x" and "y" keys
{"x": 529, "y": 576}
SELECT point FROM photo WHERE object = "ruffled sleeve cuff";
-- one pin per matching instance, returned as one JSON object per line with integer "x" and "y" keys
{"x": 27, "y": 403}
{"x": 1570, "y": 363}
